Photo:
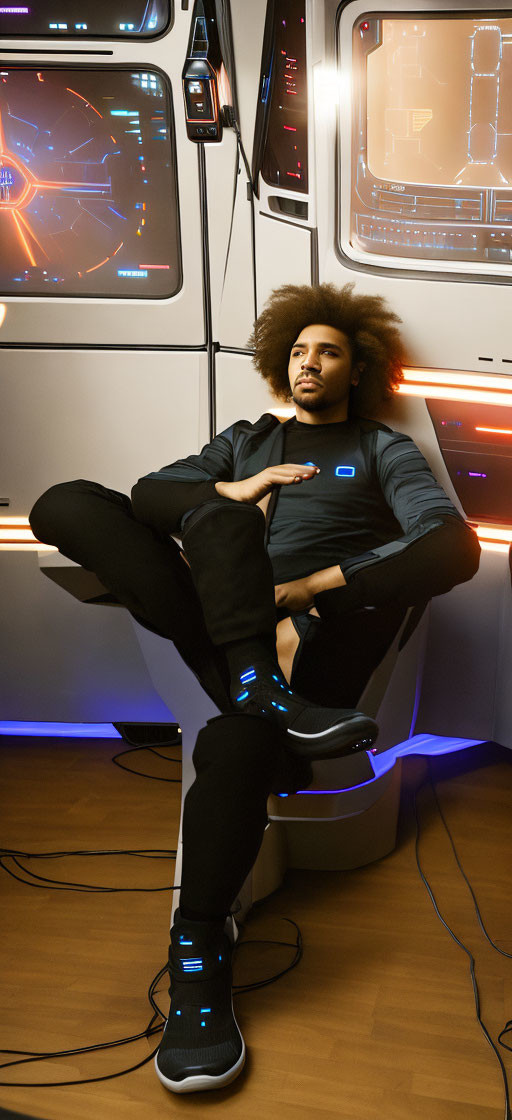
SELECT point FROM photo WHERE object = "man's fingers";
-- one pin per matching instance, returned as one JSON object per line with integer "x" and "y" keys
{"x": 293, "y": 472}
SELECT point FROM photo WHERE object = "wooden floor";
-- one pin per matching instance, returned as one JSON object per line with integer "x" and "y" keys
{"x": 376, "y": 1022}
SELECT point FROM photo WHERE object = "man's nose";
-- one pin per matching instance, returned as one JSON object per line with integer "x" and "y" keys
{"x": 310, "y": 362}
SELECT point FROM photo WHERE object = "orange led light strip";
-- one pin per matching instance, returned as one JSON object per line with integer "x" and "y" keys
{"x": 498, "y": 431}
{"x": 457, "y": 386}
{"x": 493, "y": 540}
{"x": 15, "y": 533}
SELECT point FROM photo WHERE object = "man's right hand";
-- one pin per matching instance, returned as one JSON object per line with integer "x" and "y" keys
{"x": 253, "y": 489}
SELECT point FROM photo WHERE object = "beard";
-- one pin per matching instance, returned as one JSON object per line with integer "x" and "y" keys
{"x": 310, "y": 404}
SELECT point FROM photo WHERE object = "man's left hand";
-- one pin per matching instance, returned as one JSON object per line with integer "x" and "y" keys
{"x": 298, "y": 595}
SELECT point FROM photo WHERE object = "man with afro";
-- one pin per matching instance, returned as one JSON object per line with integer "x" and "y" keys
{"x": 303, "y": 545}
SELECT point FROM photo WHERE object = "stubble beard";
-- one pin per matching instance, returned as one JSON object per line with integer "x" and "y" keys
{"x": 312, "y": 404}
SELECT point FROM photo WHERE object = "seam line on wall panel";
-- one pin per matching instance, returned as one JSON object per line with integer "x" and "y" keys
{"x": 99, "y": 346}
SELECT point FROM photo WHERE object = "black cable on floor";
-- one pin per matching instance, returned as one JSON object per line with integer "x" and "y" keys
{"x": 31, "y": 1057}
{"x": 46, "y": 883}
{"x": 463, "y": 947}
{"x": 140, "y": 773}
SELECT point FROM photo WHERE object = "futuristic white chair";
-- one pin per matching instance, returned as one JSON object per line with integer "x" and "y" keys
{"x": 352, "y": 818}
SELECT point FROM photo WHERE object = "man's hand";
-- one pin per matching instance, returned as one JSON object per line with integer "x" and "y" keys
{"x": 253, "y": 489}
{"x": 297, "y": 595}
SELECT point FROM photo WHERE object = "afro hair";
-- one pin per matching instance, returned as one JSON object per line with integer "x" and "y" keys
{"x": 366, "y": 321}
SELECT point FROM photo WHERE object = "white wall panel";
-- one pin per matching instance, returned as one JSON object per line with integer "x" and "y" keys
{"x": 241, "y": 393}
{"x": 109, "y": 417}
{"x": 283, "y": 256}
{"x": 106, "y": 416}
{"x": 232, "y": 296}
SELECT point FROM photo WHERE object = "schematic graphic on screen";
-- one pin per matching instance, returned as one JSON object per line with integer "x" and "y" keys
{"x": 432, "y": 176}
{"x": 87, "y": 186}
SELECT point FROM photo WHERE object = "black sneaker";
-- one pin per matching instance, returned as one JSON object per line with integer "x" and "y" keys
{"x": 313, "y": 732}
{"x": 202, "y": 1047}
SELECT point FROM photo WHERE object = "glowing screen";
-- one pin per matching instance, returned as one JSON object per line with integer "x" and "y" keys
{"x": 284, "y": 95}
{"x": 432, "y": 174}
{"x": 69, "y": 18}
{"x": 88, "y": 202}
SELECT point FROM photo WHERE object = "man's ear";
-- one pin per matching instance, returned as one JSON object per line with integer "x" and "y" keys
{"x": 356, "y": 373}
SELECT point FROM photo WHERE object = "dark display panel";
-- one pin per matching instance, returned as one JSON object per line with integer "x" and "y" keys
{"x": 432, "y": 150}
{"x": 70, "y": 18}
{"x": 476, "y": 445}
{"x": 88, "y": 198}
{"x": 284, "y": 98}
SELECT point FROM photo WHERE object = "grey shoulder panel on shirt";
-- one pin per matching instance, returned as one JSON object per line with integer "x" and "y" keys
{"x": 367, "y": 425}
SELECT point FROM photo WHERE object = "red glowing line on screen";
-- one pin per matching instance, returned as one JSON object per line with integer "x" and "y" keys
{"x": 154, "y": 266}
{"x": 289, "y": 128}
{"x": 88, "y": 103}
{"x": 32, "y": 234}
{"x": 22, "y": 238}
{"x": 100, "y": 265}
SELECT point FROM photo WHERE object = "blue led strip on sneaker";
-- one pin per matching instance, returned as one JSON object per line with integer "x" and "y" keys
{"x": 243, "y": 696}
{"x": 345, "y": 472}
{"x": 193, "y": 964}
{"x": 280, "y": 706}
{"x": 249, "y": 675}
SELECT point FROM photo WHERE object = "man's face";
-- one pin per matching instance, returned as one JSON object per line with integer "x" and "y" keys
{"x": 320, "y": 369}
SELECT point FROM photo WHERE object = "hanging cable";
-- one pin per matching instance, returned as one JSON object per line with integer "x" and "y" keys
{"x": 229, "y": 120}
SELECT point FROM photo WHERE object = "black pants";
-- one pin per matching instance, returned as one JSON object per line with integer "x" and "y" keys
{"x": 227, "y": 593}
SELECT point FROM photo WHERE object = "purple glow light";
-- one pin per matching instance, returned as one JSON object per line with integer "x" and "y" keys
{"x": 14, "y": 11}
{"x": 59, "y": 730}
{"x": 418, "y": 744}
{"x": 476, "y": 474}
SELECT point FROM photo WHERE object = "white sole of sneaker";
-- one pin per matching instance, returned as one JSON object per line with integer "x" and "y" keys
{"x": 203, "y": 1080}
{"x": 331, "y": 743}
{"x": 329, "y": 732}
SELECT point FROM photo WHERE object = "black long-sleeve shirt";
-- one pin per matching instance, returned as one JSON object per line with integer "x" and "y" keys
{"x": 375, "y": 508}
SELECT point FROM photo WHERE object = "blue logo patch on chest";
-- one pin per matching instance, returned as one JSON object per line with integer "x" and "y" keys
{"x": 345, "y": 472}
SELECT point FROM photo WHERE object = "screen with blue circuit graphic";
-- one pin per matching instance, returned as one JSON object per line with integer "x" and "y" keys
{"x": 88, "y": 195}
